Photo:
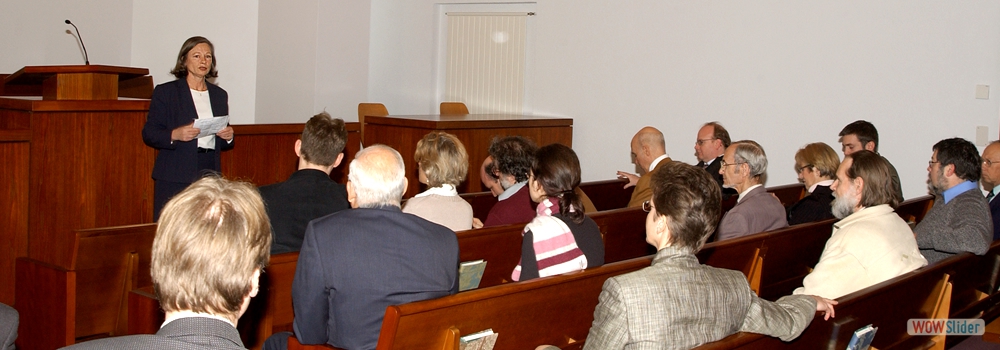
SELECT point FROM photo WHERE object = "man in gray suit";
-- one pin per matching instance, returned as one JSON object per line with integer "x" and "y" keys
{"x": 212, "y": 241}
{"x": 743, "y": 168}
{"x": 960, "y": 219}
{"x": 678, "y": 303}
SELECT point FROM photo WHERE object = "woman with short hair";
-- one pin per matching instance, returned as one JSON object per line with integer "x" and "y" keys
{"x": 442, "y": 165}
{"x": 816, "y": 165}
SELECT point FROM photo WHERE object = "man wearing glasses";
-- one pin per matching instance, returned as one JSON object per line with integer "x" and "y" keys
{"x": 960, "y": 219}
{"x": 743, "y": 166}
{"x": 990, "y": 180}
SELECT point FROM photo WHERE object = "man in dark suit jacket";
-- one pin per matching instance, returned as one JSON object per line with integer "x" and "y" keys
{"x": 649, "y": 153}
{"x": 309, "y": 193}
{"x": 708, "y": 148}
{"x": 217, "y": 223}
{"x": 990, "y": 180}
{"x": 756, "y": 210}
{"x": 355, "y": 263}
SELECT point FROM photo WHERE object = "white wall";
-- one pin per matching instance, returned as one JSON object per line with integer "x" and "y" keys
{"x": 160, "y": 27}
{"x": 286, "y": 53}
{"x": 342, "y": 43}
{"x": 782, "y": 73}
{"x": 32, "y": 32}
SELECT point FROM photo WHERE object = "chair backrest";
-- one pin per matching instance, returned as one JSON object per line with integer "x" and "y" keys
{"x": 453, "y": 108}
{"x": 372, "y": 109}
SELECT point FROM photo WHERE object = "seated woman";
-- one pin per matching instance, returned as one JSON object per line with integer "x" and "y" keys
{"x": 442, "y": 164}
{"x": 816, "y": 164}
{"x": 678, "y": 303}
{"x": 560, "y": 238}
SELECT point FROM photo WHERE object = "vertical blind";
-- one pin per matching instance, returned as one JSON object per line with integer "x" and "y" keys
{"x": 485, "y": 61}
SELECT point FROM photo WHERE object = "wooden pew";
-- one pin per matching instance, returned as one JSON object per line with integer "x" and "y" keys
{"x": 59, "y": 305}
{"x": 924, "y": 293}
{"x": 789, "y": 255}
{"x": 481, "y": 202}
{"x": 788, "y": 194}
{"x": 624, "y": 233}
{"x": 555, "y": 310}
{"x": 608, "y": 194}
{"x": 913, "y": 210}
{"x": 500, "y": 246}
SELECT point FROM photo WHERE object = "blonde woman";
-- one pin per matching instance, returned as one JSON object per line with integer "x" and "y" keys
{"x": 442, "y": 164}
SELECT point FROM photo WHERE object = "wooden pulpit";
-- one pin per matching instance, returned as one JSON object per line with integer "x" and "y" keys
{"x": 71, "y": 144}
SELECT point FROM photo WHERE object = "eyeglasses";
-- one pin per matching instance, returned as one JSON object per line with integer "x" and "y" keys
{"x": 798, "y": 169}
{"x": 647, "y": 206}
{"x": 724, "y": 164}
{"x": 931, "y": 163}
{"x": 990, "y": 163}
{"x": 701, "y": 141}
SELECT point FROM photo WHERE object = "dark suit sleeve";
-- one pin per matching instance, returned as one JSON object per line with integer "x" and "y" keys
{"x": 220, "y": 107}
{"x": 310, "y": 295}
{"x": 529, "y": 264}
{"x": 156, "y": 131}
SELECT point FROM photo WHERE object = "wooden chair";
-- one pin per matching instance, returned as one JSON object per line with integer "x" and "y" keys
{"x": 453, "y": 108}
{"x": 373, "y": 109}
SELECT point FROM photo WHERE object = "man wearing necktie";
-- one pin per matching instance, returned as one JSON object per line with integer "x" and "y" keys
{"x": 990, "y": 180}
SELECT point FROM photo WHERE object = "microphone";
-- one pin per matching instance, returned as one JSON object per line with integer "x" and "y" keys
{"x": 86, "y": 58}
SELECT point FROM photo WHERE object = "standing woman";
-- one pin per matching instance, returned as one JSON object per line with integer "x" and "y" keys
{"x": 182, "y": 156}
{"x": 816, "y": 165}
{"x": 560, "y": 238}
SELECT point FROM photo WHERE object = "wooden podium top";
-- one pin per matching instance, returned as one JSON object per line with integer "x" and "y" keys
{"x": 78, "y": 82}
{"x": 469, "y": 121}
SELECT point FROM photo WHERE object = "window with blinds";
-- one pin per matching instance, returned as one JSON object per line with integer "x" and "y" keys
{"x": 485, "y": 61}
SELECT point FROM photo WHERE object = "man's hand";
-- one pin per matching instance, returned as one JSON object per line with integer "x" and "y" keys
{"x": 825, "y": 306}
{"x": 632, "y": 178}
{"x": 476, "y": 223}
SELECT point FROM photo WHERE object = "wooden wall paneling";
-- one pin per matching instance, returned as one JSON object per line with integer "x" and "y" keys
{"x": 265, "y": 154}
{"x": 14, "y": 153}
{"x": 89, "y": 169}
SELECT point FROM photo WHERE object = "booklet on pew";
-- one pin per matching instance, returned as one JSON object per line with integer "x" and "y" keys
{"x": 862, "y": 338}
{"x": 482, "y": 340}
{"x": 470, "y": 273}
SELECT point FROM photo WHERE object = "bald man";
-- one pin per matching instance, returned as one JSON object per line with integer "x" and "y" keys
{"x": 990, "y": 180}
{"x": 649, "y": 153}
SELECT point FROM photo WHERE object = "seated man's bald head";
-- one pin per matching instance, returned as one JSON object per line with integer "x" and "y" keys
{"x": 377, "y": 177}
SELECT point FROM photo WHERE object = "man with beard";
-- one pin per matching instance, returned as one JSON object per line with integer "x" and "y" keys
{"x": 512, "y": 157}
{"x": 960, "y": 219}
{"x": 870, "y": 243}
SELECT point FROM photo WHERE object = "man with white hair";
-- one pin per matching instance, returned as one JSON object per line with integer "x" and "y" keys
{"x": 355, "y": 263}
{"x": 743, "y": 167}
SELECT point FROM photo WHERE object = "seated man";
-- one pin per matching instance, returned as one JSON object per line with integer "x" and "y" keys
{"x": 211, "y": 243}
{"x": 870, "y": 243}
{"x": 960, "y": 219}
{"x": 512, "y": 156}
{"x": 743, "y": 165}
{"x": 309, "y": 193}
{"x": 712, "y": 141}
{"x": 862, "y": 135}
{"x": 649, "y": 152}
{"x": 355, "y": 263}
{"x": 678, "y": 303}
{"x": 990, "y": 180}
{"x": 488, "y": 177}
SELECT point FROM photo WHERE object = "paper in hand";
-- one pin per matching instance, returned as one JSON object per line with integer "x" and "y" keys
{"x": 210, "y": 126}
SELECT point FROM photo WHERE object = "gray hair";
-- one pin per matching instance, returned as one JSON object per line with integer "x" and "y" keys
{"x": 378, "y": 177}
{"x": 750, "y": 152}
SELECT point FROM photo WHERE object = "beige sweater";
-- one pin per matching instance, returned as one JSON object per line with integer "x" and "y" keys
{"x": 452, "y": 212}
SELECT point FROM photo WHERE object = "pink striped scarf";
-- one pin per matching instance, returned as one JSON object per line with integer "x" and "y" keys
{"x": 555, "y": 247}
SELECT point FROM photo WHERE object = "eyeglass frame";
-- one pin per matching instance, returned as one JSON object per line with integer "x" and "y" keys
{"x": 723, "y": 163}
{"x": 989, "y": 163}
{"x": 798, "y": 169}
{"x": 702, "y": 141}
{"x": 647, "y": 206}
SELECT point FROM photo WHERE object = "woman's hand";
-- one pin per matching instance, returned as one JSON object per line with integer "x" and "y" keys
{"x": 184, "y": 133}
{"x": 226, "y": 134}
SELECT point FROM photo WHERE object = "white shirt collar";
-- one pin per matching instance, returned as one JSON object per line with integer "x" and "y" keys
{"x": 826, "y": 183}
{"x": 176, "y": 315}
{"x": 657, "y": 161}
{"x": 445, "y": 190}
{"x": 744, "y": 193}
{"x": 510, "y": 191}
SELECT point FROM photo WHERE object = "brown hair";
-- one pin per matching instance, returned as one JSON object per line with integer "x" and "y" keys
{"x": 180, "y": 70}
{"x": 210, "y": 240}
{"x": 557, "y": 169}
{"x": 821, "y": 157}
{"x": 691, "y": 199}
{"x": 720, "y": 133}
{"x": 442, "y": 158}
{"x": 323, "y": 138}
{"x": 878, "y": 183}
{"x": 863, "y": 130}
